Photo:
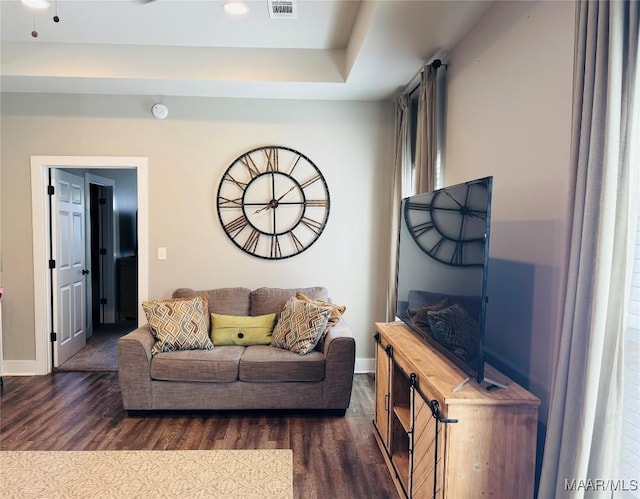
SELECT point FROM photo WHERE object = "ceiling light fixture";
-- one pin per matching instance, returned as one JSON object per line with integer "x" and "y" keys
{"x": 235, "y": 8}
{"x": 36, "y": 4}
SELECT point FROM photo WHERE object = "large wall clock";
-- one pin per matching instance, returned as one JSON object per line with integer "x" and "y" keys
{"x": 450, "y": 224}
{"x": 273, "y": 202}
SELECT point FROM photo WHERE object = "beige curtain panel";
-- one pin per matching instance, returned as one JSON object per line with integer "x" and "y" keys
{"x": 584, "y": 425}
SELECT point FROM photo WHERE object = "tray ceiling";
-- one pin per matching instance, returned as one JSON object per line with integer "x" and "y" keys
{"x": 335, "y": 49}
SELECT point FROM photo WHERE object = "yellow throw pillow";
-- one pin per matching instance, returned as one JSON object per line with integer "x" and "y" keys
{"x": 300, "y": 327}
{"x": 179, "y": 323}
{"x": 336, "y": 310}
{"x": 242, "y": 330}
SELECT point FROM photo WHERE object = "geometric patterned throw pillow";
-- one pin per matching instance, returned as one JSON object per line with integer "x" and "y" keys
{"x": 179, "y": 324}
{"x": 336, "y": 310}
{"x": 301, "y": 325}
{"x": 420, "y": 315}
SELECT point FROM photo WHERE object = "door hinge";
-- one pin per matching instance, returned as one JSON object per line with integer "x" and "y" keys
{"x": 103, "y": 251}
{"x": 54, "y": 336}
{"x": 51, "y": 190}
{"x": 52, "y": 264}
{"x": 103, "y": 301}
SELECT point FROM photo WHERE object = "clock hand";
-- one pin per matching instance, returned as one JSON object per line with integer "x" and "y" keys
{"x": 290, "y": 189}
{"x": 453, "y": 199}
{"x": 465, "y": 210}
{"x": 263, "y": 208}
{"x": 274, "y": 202}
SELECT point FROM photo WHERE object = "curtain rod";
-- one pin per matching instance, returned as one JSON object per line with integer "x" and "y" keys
{"x": 413, "y": 84}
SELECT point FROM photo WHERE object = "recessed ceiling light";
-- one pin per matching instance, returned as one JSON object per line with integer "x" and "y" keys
{"x": 235, "y": 8}
{"x": 36, "y": 4}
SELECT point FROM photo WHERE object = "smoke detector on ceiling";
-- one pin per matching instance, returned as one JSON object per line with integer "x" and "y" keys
{"x": 283, "y": 9}
{"x": 160, "y": 111}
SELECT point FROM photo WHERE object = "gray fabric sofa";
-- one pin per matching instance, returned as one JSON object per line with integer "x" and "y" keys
{"x": 239, "y": 377}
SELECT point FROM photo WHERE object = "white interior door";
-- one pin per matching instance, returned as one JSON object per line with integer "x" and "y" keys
{"x": 68, "y": 247}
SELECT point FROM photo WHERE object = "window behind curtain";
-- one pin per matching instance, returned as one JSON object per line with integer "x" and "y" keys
{"x": 413, "y": 128}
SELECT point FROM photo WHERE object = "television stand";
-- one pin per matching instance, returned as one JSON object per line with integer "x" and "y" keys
{"x": 447, "y": 444}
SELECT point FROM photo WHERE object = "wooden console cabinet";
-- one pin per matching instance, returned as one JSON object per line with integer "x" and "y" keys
{"x": 450, "y": 445}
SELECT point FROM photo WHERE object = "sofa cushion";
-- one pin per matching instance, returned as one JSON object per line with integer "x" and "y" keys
{"x": 178, "y": 324}
{"x": 261, "y": 363}
{"x": 218, "y": 365}
{"x": 272, "y": 300}
{"x": 227, "y": 301}
{"x": 242, "y": 330}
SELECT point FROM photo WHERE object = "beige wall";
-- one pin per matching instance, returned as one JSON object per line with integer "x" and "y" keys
{"x": 509, "y": 115}
{"x": 350, "y": 143}
{"x": 509, "y": 105}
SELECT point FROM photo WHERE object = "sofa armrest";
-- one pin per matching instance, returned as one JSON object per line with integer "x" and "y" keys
{"x": 340, "y": 356}
{"x": 134, "y": 368}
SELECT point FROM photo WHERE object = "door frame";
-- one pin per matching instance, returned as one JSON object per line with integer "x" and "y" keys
{"x": 40, "y": 221}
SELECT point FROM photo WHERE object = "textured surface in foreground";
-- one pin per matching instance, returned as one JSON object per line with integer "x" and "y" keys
{"x": 181, "y": 473}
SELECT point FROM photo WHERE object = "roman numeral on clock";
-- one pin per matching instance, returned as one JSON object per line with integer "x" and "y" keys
{"x": 419, "y": 206}
{"x": 275, "y": 250}
{"x": 248, "y": 162}
{"x": 313, "y": 179}
{"x": 319, "y": 203}
{"x": 422, "y": 228}
{"x": 229, "y": 178}
{"x": 456, "y": 257}
{"x": 295, "y": 163}
{"x": 296, "y": 242}
{"x": 230, "y": 203}
{"x": 252, "y": 241}
{"x": 314, "y": 225}
{"x": 236, "y": 225}
{"x": 436, "y": 247}
{"x": 272, "y": 159}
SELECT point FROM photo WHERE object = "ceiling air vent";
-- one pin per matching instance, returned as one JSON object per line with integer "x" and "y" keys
{"x": 283, "y": 9}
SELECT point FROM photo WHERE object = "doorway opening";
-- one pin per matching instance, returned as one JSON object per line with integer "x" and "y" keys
{"x": 109, "y": 241}
{"x": 40, "y": 166}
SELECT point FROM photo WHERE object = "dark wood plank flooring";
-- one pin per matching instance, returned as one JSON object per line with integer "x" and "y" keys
{"x": 333, "y": 457}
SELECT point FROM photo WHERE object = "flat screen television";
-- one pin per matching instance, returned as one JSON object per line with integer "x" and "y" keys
{"x": 443, "y": 257}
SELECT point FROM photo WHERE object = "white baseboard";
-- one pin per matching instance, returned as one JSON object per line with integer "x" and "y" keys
{"x": 19, "y": 368}
{"x": 365, "y": 366}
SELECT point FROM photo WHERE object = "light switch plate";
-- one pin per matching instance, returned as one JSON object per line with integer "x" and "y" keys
{"x": 162, "y": 253}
